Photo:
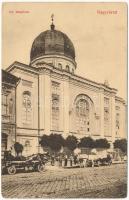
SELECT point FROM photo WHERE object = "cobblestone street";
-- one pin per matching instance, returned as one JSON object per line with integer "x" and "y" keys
{"x": 106, "y": 181}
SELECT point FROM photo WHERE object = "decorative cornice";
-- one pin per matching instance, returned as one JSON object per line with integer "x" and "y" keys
{"x": 65, "y": 75}
{"x": 53, "y": 56}
{"x": 95, "y": 135}
{"x": 107, "y": 135}
{"x": 45, "y": 71}
{"x": 22, "y": 66}
{"x": 9, "y": 84}
{"x": 29, "y": 128}
{"x": 25, "y": 135}
{"x": 120, "y": 100}
{"x": 55, "y": 131}
{"x": 84, "y": 85}
{"x": 9, "y": 123}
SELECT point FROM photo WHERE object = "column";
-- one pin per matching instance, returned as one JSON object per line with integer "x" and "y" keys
{"x": 113, "y": 117}
{"x": 123, "y": 128}
{"x": 102, "y": 113}
{"x": 41, "y": 102}
{"x": 61, "y": 106}
{"x": 66, "y": 105}
{"x": 45, "y": 100}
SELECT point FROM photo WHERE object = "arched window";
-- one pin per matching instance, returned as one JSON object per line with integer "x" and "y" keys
{"x": 10, "y": 106}
{"x": 27, "y": 147}
{"x": 59, "y": 65}
{"x": 67, "y": 68}
{"x": 4, "y": 104}
{"x": 106, "y": 116}
{"x": 55, "y": 106}
{"x": 55, "y": 112}
{"x": 82, "y": 107}
{"x": 27, "y": 107}
{"x": 117, "y": 120}
{"x": 82, "y": 115}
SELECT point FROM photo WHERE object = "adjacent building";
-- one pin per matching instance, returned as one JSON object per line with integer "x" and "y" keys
{"x": 8, "y": 118}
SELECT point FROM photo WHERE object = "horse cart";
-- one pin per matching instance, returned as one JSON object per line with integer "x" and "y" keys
{"x": 94, "y": 160}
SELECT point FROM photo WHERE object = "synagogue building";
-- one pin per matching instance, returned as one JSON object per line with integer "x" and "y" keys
{"x": 52, "y": 98}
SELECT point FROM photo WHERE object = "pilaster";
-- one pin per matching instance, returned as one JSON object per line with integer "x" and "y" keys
{"x": 41, "y": 102}
{"x": 66, "y": 105}
{"x": 113, "y": 117}
{"x": 102, "y": 113}
{"x": 45, "y": 100}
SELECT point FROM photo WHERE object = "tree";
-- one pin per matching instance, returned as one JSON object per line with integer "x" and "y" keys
{"x": 56, "y": 142}
{"x": 53, "y": 141}
{"x": 71, "y": 142}
{"x": 102, "y": 143}
{"x": 87, "y": 142}
{"x": 18, "y": 148}
{"x": 121, "y": 144}
{"x": 45, "y": 141}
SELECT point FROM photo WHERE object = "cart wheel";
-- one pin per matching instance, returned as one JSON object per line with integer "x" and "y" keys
{"x": 26, "y": 168}
{"x": 109, "y": 163}
{"x": 86, "y": 164}
{"x": 11, "y": 170}
{"x": 40, "y": 168}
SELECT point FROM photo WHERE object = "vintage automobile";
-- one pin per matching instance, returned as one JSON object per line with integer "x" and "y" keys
{"x": 32, "y": 163}
{"x": 103, "y": 161}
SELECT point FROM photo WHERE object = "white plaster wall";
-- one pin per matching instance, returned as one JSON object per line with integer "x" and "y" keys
{"x": 75, "y": 90}
{"x": 123, "y": 121}
{"x": 69, "y": 90}
{"x": 41, "y": 103}
{"x": 34, "y": 98}
{"x": 45, "y": 101}
{"x": 33, "y": 149}
{"x": 113, "y": 118}
{"x": 66, "y": 103}
{"x": 55, "y": 60}
{"x": 61, "y": 106}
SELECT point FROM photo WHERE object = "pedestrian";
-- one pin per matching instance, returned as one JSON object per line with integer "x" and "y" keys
{"x": 71, "y": 159}
{"x": 52, "y": 160}
{"x": 92, "y": 163}
{"x": 60, "y": 160}
{"x": 75, "y": 159}
{"x": 66, "y": 160}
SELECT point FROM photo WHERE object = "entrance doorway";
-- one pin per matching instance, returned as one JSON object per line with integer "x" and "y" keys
{"x": 4, "y": 143}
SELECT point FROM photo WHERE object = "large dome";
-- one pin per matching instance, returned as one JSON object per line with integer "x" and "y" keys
{"x": 52, "y": 42}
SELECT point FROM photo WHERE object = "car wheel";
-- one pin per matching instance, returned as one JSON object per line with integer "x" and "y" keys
{"x": 11, "y": 170}
{"x": 40, "y": 168}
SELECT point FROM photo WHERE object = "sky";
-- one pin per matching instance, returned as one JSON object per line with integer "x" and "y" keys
{"x": 100, "y": 40}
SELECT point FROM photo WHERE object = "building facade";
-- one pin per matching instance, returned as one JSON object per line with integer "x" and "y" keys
{"x": 9, "y": 84}
{"x": 52, "y": 98}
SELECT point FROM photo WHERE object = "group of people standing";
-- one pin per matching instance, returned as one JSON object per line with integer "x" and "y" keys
{"x": 65, "y": 160}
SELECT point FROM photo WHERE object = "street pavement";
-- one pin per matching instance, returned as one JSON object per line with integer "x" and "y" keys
{"x": 55, "y": 182}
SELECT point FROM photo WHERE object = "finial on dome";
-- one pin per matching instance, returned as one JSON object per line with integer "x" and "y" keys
{"x": 52, "y": 25}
